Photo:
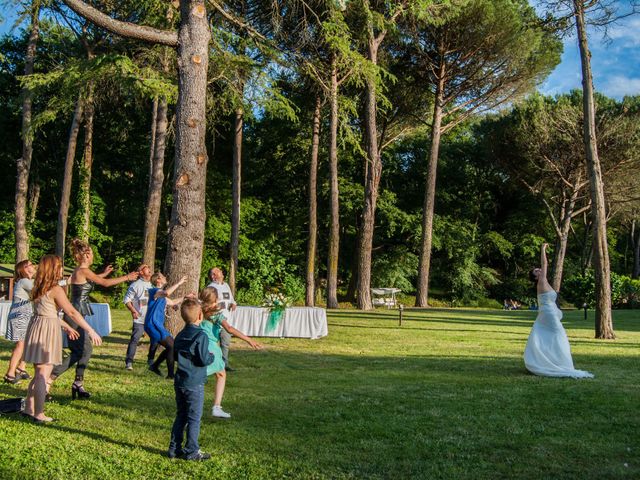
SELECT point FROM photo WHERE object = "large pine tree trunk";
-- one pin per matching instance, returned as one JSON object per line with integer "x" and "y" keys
{"x": 188, "y": 215}
{"x": 310, "y": 296}
{"x": 86, "y": 167}
{"x": 603, "y": 317}
{"x": 236, "y": 197}
{"x": 334, "y": 196}
{"x": 424, "y": 267}
{"x": 156, "y": 178}
{"x": 65, "y": 195}
{"x": 24, "y": 162}
{"x": 372, "y": 181}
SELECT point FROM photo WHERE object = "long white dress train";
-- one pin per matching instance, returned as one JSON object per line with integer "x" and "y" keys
{"x": 547, "y": 352}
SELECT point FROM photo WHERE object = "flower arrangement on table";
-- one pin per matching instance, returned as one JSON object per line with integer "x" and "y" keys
{"x": 277, "y": 304}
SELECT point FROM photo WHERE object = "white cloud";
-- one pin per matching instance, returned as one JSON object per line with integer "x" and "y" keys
{"x": 618, "y": 86}
{"x": 626, "y": 33}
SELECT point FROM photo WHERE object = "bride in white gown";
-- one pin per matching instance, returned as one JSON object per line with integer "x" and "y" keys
{"x": 547, "y": 352}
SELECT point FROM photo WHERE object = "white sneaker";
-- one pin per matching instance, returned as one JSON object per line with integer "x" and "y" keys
{"x": 218, "y": 412}
{"x": 128, "y": 366}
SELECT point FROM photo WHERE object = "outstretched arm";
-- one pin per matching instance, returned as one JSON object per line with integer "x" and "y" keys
{"x": 63, "y": 302}
{"x": 108, "y": 282}
{"x": 173, "y": 288}
{"x": 252, "y": 343}
{"x": 543, "y": 261}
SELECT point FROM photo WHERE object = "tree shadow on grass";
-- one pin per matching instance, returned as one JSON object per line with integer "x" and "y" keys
{"x": 75, "y": 432}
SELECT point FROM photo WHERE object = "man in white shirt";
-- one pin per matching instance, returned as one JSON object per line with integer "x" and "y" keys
{"x": 226, "y": 301}
{"x": 136, "y": 300}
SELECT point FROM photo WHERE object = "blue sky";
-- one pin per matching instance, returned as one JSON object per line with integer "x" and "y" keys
{"x": 615, "y": 61}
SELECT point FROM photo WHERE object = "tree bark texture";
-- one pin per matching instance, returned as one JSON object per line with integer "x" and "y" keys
{"x": 65, "y": 195}
{"x": 635, "y": 241}
{"x": 34, "y": 200}
{"x": 562, "y": 238}
{"x": 372, "y": 181}
{"x": 236, "y": 191}
{"x": 156, "y": 179}
{"x": 86, "y": 167}
{"x": 125, "y": 29}
{"x": 23, "y": 164}
{"x": 603, "y": 317}
{"x": 188, "y": 216}
{"x": 334, "y": 192}
{"x": 424, "y": 264}
{"x": 310, "y": 284}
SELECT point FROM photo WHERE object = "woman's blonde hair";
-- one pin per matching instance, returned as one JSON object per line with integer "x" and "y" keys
{"x": 79, "y": 248}
{"x": 209, "y": 301}
{"x": 48, "y": 274}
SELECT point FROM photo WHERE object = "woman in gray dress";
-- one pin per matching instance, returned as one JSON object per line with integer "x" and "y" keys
{"x": 18, "y": 320}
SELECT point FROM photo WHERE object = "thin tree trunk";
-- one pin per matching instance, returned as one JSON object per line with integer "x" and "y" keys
{"x": 334, "y": 227}
{"x": 86, "y": 167}
{"x": 34, "y": 200}
{"x": 23, "y": 164}
{"x": 372, "y": 181}
{"x": 310, "y": 297}
{"x": 603, "y": 317}
{"x": 636, "y": 255}
{"x": 561, "y": 241}
{"x": 188, "y": 215}
{"x": 156, "y": 179}
{"x": 422, "y": 293}
{"x": 236, "y": 197}
{"x": 65, "y": 195}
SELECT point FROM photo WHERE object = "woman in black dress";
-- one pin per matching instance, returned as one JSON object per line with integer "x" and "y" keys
{"x": 82, "y": 281}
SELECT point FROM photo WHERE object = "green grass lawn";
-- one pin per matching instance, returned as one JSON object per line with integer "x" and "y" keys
{"x": 444, "y": 396}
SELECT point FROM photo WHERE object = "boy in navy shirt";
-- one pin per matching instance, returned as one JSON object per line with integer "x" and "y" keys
{"x": 191, "y": 352}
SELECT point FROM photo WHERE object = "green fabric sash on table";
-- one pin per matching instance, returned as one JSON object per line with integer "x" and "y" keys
{"x": 275, "y": 316}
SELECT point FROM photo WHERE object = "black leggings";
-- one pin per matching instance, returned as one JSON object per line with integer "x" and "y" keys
{"x": 81, "y": 350}
{"x": 167, "y": 354}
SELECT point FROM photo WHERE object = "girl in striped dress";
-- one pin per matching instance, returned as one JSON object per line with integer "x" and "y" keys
{"x": 19, "y": 316}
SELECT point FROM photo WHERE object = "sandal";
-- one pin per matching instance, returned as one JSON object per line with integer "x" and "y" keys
{"x": 11, "y": 380}
{"x": 22, "y": 374}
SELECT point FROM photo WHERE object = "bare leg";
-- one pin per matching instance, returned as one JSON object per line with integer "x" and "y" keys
{"x": 221, "y": 380}
{"x": 39, "y": 390}
{"x": 16, "y": 359}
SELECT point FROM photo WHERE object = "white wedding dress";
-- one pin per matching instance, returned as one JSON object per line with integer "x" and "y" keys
{"x": 547, "y": 352}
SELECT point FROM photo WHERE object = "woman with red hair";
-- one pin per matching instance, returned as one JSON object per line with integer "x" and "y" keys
{"x": 43, "y": 341}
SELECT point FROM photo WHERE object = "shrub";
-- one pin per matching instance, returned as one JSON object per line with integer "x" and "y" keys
{"x": 580, "y": 289}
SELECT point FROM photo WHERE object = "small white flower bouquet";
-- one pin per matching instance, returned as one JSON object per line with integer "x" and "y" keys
{"x": 276, "y": 301}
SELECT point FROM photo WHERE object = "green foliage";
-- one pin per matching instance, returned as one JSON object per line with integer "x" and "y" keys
{"x": 396, "y": 268}
{"x": 580, "y": 289}
{"x": 7, "y": 239}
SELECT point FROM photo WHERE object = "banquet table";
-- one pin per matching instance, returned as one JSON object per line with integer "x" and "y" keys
{"x": 297, "y": 322}
{"x": 100, "y": 320}
{"x": 4, "y": 313}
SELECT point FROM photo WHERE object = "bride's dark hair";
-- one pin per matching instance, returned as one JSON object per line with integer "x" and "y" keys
{"x": 532, "y": 276}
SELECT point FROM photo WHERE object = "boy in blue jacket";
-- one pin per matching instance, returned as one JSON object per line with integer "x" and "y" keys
{"x": 191, "y": 352}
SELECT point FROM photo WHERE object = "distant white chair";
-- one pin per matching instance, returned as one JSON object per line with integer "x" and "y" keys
{"x": 384, "y": 297}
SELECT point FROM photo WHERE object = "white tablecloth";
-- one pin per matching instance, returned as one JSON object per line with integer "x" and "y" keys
{"x": 298, "y": 322}
{"x": 4, "y": 313}
{"x": 100, "y": 321}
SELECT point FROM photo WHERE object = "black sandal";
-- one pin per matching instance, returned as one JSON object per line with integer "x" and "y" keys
{"x": 11, "y": 380}
{"x": 22, "y": 374}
